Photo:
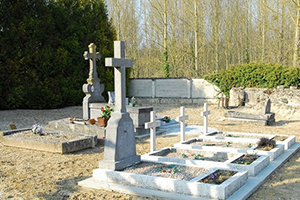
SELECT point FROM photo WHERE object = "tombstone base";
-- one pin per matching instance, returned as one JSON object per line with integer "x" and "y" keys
{"x": 119, "y": 165}
{"x": 120, "y": 147}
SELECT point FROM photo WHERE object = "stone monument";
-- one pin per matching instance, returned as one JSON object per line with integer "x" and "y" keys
{"x": 119, "y": 150}
{"x": 93, "y": 89}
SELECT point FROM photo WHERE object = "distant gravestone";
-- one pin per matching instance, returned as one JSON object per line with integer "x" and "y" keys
{"x": 267, "y": 108}
{"x": 93, "y": 89}
{"x": 120, "y": 147}
{"x": 205, "y": 114}
{"x": 182, "y": 119}
{"x": 152, "y": 126}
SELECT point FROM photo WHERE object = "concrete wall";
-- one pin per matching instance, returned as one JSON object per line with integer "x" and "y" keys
{"x": 177, "y": 89}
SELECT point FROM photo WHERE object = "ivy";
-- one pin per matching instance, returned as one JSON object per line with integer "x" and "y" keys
{"x": 255, "y": 75}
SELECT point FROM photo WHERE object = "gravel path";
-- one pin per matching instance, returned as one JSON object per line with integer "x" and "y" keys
{"x": 27, "y": 174}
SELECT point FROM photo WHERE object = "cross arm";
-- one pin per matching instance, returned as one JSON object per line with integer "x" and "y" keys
{"x": 118, "y": 62}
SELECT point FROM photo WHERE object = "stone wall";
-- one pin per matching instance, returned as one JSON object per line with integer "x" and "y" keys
{"x": 286, "y": 101}
{"x": 172, "y": 91}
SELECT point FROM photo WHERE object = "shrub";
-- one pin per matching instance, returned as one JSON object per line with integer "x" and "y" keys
{"x": 255, "y": 75}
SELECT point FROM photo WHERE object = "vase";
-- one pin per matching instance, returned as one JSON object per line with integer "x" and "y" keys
{"x": 102, "y": 121}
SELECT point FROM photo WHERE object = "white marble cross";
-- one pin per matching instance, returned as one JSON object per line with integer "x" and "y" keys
{"x": 152, "y": 125}
{"x": 93, "y": 56}
{"x": 205, "y": 114}
{"x": 181, "y": 119}
{"x": 119, "y": 63}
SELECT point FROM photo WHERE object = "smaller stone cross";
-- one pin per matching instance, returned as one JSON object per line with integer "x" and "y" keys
{"x": 152, "y": 125}
{"x": 181, "y": 119}
{"x": 205, "y": 114}
{"x": 119, "y": 63}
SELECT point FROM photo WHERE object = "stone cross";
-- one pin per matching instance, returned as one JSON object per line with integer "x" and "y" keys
{"x": 93, "y": 56}
{"x": 181, "y": 119}
{"x": 205, "y": 114}
{"x": 119, "y": 63}
{"x": 152, "y": 125}
{"x": 93, "y": 89}
{"x": 120, "y": 146}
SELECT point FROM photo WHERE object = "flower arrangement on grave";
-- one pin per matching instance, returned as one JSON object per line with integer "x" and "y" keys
{"x": 132, "y": 102}
{"x": 105, "y": 115}
{"x": 37, "y": 129}
{"x": 266, "y": 144}
{"x": 218, "y": 177}
{"x": 167, "y": 169}
{"x": 106, "y": 111}
{"x": 166, "y": 119}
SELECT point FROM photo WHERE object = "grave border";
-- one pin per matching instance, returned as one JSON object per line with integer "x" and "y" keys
{"x": 106, "y": 179}
{"x": 253, "y": 169}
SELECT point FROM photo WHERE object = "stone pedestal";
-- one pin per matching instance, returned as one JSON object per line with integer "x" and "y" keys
{"x": 120, "y": 150}
{"x": 139, "y": 115}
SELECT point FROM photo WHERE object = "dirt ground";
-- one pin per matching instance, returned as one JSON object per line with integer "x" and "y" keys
{"x": 28, "y": 174}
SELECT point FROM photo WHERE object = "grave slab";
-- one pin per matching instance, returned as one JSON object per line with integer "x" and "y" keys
{"x": 66, "y": 146}
{"x": 236, "y": 137}
{"x": 86, "y": 129}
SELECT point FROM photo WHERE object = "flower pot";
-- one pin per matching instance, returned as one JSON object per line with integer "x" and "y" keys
{"x": 102, "y": 121}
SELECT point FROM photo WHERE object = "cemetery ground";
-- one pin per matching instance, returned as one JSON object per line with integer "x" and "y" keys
{"x": 29, "y": 174}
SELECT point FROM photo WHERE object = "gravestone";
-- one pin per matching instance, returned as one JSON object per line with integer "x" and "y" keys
{"x": 205, "y": 114}
{"x": 120, "y": 149}
{"x": 266, "y": 117}
{"x": 93, "y": 89}
{"x": 181, "y": 120}
{"x": 152, "y": 126}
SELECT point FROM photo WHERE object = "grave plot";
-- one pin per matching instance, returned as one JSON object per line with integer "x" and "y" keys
{"x": 253, "y": 163}
{"x": 287, "y": 141}
{"x": 216, "y": 145}
{"x": 234, "y": 147}
{"x": 237, "y": 137}
{"x": 57, "y": 142}
{"x": 172, "y": 179}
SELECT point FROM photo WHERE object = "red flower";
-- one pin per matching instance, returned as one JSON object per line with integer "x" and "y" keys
{"x": 164, "y": 171}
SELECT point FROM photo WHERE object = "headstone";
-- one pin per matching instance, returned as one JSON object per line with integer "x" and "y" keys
{"x": 205, "y": 114}
{"x": 181, "y": 119}
{"x": 111, "y": 97}
{"x": 267, "y": 108}
{"x": 93, "y": 89}
{"x": 152, "y": 126}
{"x": 120, "y": 147}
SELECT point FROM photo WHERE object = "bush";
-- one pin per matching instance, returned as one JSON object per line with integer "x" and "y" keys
{"x": 255, "y": 75}
{"x": 42, "y": 42}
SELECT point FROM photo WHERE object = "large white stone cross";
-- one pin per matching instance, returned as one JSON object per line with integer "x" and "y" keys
{"x": 119, "y": 63}
{"x": 205, "y": 114}
{"x": 93, "y": 56}
{"x": 181, "y": 119}
{"x": 152, "y": 125}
